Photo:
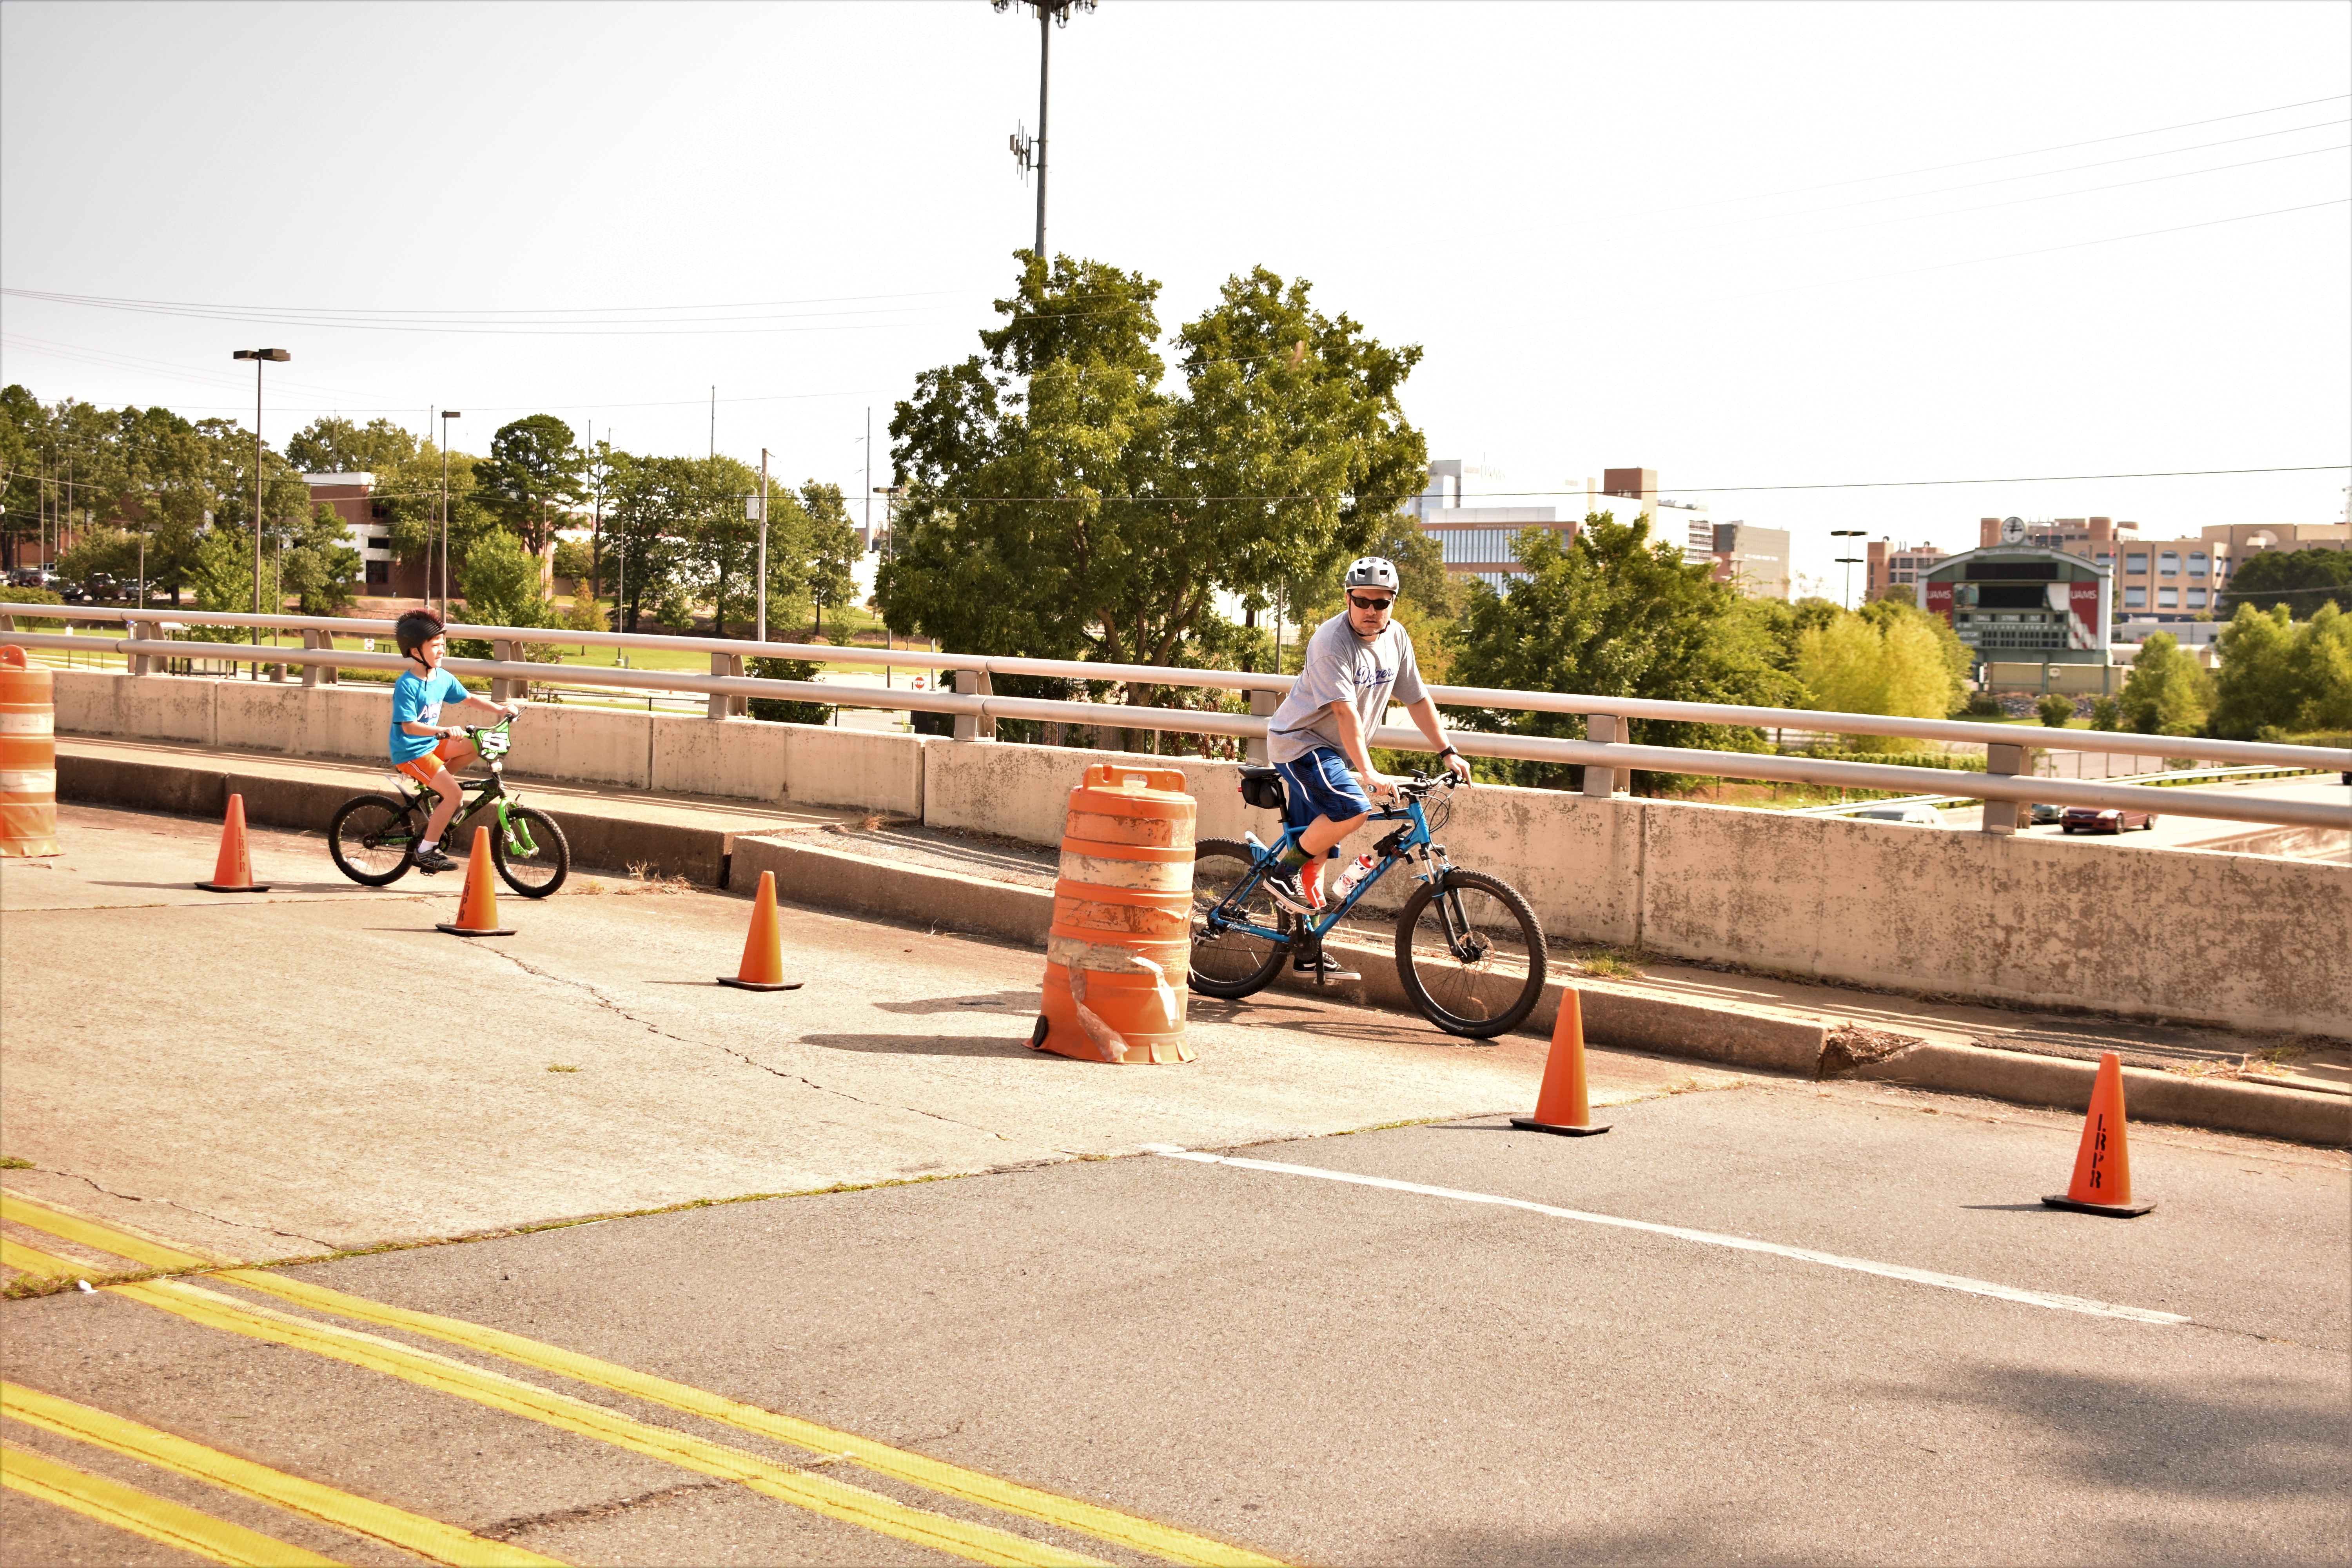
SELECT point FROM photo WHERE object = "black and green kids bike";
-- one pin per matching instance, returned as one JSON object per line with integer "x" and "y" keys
{"x": 1469, "y": 949}
{"x": 373, "y": 837}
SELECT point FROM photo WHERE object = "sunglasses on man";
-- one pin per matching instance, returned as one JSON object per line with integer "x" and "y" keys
{"x": 1365, "y": 602}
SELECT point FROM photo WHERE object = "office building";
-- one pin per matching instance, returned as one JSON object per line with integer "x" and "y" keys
{"x": 1893, "y": 570}
{"x": 1754, "y": 557}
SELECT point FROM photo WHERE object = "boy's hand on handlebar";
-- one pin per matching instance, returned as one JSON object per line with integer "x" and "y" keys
{"x": 1459, "y": 765}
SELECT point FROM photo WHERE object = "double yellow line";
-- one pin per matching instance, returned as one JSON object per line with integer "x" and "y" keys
{"x": 818, "y": 1494}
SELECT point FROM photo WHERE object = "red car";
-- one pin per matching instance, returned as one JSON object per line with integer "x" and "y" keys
{"x": 2103, "y": 819}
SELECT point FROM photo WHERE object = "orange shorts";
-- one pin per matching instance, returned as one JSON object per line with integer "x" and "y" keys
{"x": 422, "y": 769}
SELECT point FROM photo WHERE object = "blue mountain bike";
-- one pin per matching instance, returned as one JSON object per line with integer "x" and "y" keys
{"x": 1469, "y": 949}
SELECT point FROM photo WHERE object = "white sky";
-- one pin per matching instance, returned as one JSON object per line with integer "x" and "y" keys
{"x": 1684, "y": 236}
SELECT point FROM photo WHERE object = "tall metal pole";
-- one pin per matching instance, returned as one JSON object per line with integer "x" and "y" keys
{"x": 1044, "y": 61}
{"x": 714, "y": 422}
{"x": 257, "y": 506}
{"x": 761, "y": 634}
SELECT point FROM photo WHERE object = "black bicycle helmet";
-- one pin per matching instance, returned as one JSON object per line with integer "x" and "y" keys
{"x": 414, "y": 629}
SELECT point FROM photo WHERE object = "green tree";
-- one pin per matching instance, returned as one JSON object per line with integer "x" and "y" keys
{"x": 651, "y": 507}
{"x": 2323, "y": 671}
{"x": 318, "y": 565}
{"x": 409, "y": 496}
{"x": 2255, "y": 688}
{"x": 501, "y": 584}
{"x": 2278, "y": 675}
{"x": 532, "y": 475}
{"x": 2301, "y": 580}
{"x": 2055, "y": 711}
{"x": 1061, "y": 503}
{"x": 2168, "y": 692}
{"x": 1615, "y": 613}
{"x": 334, "y": 444}
{"x": 1889, "y": 662}
{"x": 2106, "y": 714}
{"x": 831, "y": 550}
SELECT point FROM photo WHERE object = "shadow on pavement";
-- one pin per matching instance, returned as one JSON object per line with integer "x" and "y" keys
{"x": 1024, "y": 1000}
{"x": 930, "y": 1045}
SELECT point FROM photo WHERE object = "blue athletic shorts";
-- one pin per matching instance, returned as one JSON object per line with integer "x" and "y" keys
{"x": 1320, "y": 785}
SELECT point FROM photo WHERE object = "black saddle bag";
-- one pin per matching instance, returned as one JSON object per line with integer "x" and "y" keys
{"x": 1262, "y": 787}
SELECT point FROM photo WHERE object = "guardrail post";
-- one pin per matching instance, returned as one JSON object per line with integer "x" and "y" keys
{"x": 313, "y": 640}
{"x": 1601, "y": 730}
{"x": 2001, "y": 815}
{"x": 502, "y": 649}
{"x": 723, "y": 705}
{"x": 1262, "y": 706}
{"x": 971, "y": 726}
{"x": 135, "y": 631}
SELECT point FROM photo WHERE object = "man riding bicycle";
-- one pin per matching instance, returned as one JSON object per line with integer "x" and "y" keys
{"x": 1356, "y": 664}
{"x": 422, "y": 747}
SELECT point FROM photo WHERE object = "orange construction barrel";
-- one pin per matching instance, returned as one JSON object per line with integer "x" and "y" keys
{"x": 1121, "y": 938}
{"x": 29, "y": 758}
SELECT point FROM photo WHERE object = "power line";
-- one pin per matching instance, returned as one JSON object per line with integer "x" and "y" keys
{"x": 1971, "y": 162}
{"x": 2014, "y": 254}
{"x": 2039, "y": 174}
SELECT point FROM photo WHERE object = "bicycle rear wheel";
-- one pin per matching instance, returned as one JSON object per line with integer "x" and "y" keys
{"x": 531, "y": 854}
{"x": 1471, "y": 954}
{"x": 370, "y": 839}
{"x": 1232, "y": 964}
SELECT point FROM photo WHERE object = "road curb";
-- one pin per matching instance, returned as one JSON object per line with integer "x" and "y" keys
{"x": 195, "y": 789}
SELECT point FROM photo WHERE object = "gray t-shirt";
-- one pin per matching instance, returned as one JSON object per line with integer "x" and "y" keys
{"x": 1367, "y": 675}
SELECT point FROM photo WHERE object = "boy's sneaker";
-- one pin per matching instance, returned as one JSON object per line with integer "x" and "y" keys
{"x": 1295, "y": 891}
{"x": 434, "y": 860}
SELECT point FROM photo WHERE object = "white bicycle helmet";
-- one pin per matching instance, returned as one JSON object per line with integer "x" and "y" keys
{"x": 1372, "y": 572}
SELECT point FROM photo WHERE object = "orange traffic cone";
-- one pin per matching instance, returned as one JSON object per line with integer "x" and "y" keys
{"x": 763, "y": 968}
{"x": 232, "y": 872}
{"x": 1564, "y": 1106}
{"x": 478, "y": 910}
{"x": 2101, "y": 1182}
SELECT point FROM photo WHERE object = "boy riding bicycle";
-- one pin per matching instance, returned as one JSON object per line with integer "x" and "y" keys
{"x": 422, "y": 747}
{"x": 1356, "y": 664}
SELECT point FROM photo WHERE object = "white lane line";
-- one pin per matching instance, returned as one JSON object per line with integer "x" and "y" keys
{"x": 1705, "y": 1237}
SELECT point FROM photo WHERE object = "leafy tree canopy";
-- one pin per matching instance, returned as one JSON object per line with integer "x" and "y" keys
{"x": 2280, "y": 676}
{"x": 1061, "y": 502}
{"x": 1617, "y": 613}
{"x": 337, "y": 445}
{"x": 2168, "y": 692}
{"x": 2297, "y": 579}
{"x": 534, "y": 473}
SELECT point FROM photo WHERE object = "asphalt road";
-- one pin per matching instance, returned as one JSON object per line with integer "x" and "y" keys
{"x": 1759, "y": 1320}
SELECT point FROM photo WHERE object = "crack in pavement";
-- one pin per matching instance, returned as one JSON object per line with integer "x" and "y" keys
{"x": 507, "y": 1529}
{"x": 190, "y": 1208}
{"x": 618, "y": 1011}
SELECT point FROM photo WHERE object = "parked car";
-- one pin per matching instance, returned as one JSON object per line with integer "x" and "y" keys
{"x": 96, "y": 588}
{"x": 34, "y": 577}
{"x": 2043, "y": 813}
{"x": 2104, "y": 819}
{"x": 1908, "y": 816}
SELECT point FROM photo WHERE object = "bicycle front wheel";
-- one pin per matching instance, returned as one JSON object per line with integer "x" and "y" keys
{"x": 1232, "y": 964}
{"x": 532, "y": 853}
{"x": 370, "y": 839}
{"x": 1471, "y": 954}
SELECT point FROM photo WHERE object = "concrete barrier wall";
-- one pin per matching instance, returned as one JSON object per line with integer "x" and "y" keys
{"x": 2237, "y": 940}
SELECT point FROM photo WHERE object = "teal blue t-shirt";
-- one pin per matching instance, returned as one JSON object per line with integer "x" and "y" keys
{"x": 417, "y": 698}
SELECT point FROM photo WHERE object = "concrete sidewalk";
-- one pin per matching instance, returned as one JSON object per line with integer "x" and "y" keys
{"x": 861, "y": 863}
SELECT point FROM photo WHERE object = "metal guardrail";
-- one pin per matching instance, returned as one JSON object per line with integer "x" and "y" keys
{"x": 976, "y": 708}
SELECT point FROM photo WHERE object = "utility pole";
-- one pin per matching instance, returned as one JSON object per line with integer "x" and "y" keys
{"x": 260, "y": 357}
{"x": 714, "y": 422}
{"x": 761, "y": 633}
{"x": 1031, "y": 154}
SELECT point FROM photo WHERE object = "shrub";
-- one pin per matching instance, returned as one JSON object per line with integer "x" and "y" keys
{"x": 782, "y": 710}
{"x": 2055, "y": 711}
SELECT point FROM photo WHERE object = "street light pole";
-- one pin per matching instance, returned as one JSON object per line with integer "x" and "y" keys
{"x": 1848, "y": 562}
{"x": 447, "y": 416}
{"x": 260, "y": 357}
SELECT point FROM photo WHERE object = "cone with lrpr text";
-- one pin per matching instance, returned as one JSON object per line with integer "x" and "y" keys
{"x": 232, "y": 872}
{"x": 763, "y": 968}
{"x": 478, "y": 911}
{"x": 2101, "y": 1182}
{"x": 1564, "y": 1105}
